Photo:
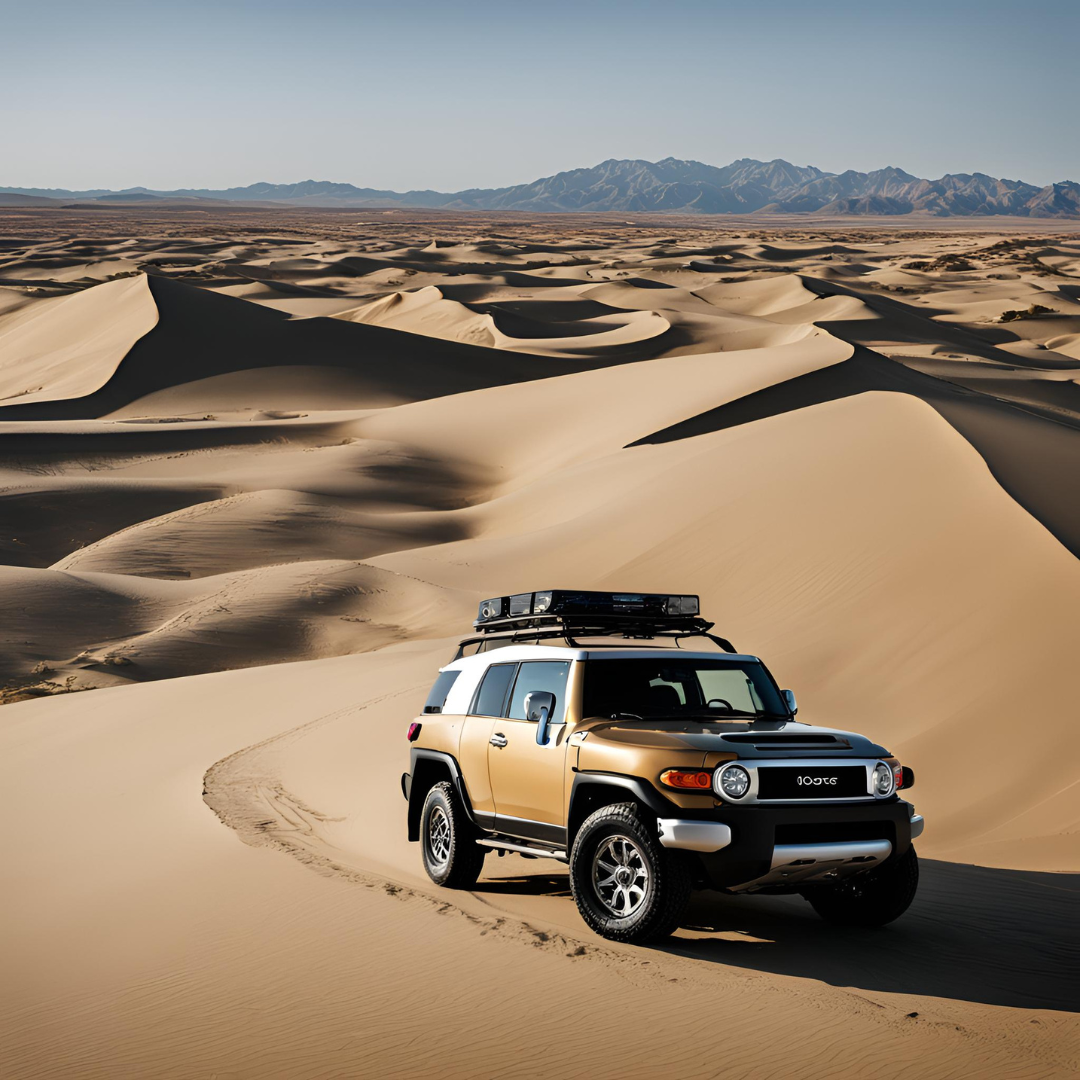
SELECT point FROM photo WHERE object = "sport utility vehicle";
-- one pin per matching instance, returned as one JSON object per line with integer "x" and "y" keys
{"x": 649, "y": 768}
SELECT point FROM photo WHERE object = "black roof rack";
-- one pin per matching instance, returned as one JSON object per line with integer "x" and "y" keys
{"x": 567, "y": 614}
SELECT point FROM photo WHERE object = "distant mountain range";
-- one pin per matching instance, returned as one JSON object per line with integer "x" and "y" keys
{"x": 670, "y": 186}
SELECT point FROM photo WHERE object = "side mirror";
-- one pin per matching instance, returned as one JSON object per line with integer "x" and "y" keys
{"x": 789, "y": 700}
{"x": 539, "y": 706}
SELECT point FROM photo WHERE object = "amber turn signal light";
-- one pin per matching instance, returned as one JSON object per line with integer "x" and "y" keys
{"x": 414, "y": 732}
{"x": 686, "y": 781}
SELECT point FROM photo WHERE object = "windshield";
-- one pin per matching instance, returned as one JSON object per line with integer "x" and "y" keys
{"x": 681, "y": 686}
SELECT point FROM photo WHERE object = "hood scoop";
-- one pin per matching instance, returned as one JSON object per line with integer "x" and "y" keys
{"x": 786, "y": 743}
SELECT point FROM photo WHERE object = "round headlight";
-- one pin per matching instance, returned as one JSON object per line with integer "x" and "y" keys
{"x": 882, "y": 780}
{"x": 734, "y": 782}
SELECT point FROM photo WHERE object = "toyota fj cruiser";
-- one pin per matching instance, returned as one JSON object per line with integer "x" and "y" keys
{"x": 649, "y": 768}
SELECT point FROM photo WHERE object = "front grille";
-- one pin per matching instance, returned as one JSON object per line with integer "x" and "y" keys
{"x": 812, "y": 782}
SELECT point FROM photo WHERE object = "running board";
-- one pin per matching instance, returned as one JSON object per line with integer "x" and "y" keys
{"x": 524, "y": 849}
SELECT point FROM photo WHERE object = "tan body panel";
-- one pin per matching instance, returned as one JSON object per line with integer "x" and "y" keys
{"x": 440, "y": 732}
{"x": 715, "y": 757}
{"x": 527, "y": 779}
{"x": 472, "y": 759}
{"x": 599, "y": 753}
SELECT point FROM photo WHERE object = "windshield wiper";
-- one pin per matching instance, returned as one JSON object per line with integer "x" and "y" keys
{"x": 626, "y": 716}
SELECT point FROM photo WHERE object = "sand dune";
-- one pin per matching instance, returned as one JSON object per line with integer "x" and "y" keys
{"x": 196, "y": 540}
{"x": 309, "y": 455}
{"x": 201, "y": 336}
{"x": 525, "y": 329}
{"x": 69, "y": 346}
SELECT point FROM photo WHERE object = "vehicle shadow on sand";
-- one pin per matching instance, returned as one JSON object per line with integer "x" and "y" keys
{"x": 527, "y": 885}
{"x": 1000, "y": 937}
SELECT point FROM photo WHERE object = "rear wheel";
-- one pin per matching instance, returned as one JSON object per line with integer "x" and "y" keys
{"x": 448, "y": 840}
{"x": 626, "y": 885}
{"x": 871, "y": 899}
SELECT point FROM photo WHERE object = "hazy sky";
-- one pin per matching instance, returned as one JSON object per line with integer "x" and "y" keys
{"x": 448, "y": 95}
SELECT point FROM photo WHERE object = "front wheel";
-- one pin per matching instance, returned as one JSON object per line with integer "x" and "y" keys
{"x": 871, "y": 899}
{"x": 447, "y": 840}
{"x": 625, "y": 884}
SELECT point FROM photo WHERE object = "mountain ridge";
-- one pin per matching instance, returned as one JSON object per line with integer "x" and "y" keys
{"x": 671, "y": 185}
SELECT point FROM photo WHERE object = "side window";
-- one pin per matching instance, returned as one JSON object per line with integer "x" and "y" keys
{"x": 550, "y": 675}
{"x": 491, "y": 697}
{"x": 437, "y": 698}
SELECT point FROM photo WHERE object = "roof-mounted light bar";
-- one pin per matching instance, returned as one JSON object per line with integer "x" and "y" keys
{"x": 573, "y": 613}
{"x": 566, "y": 602}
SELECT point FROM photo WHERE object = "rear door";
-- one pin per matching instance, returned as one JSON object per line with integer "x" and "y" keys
{"x": 526, "y": 777}
{"x": 488, "y": 703}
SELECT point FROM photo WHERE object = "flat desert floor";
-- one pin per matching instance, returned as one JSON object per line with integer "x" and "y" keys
{"x": 256, "y": 470}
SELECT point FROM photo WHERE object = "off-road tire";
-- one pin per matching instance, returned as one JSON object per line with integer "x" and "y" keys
{"x": 871, "y": 899}
{"x": 668, "y": 890}
{"x": 462, "y": 858}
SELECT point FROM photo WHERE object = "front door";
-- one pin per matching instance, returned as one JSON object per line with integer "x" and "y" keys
{"x": 526, "y": 777}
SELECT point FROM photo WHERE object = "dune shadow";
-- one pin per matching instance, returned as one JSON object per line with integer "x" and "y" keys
{"x": 201, "y": 334}
{"x": 1032, "y": 451}
{"x": 999, "y": 937}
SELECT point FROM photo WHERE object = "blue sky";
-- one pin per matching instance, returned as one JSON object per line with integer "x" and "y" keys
{"x": 450, "y": 95}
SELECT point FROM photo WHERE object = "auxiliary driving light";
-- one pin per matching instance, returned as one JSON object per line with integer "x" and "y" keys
{"x": 734, "y": 782}
{"x": 681, "y": 605}
{"x": 491, "y": 609}
{"x": 883, "y": 781}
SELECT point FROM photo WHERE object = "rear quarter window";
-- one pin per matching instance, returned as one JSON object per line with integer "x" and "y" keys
{"x": 436, "y": 699}
{"x": 491, "y": 697}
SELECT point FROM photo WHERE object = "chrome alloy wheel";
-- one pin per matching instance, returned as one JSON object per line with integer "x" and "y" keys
{"x": 438, "y": 836}
{"x": 620, "y": 876}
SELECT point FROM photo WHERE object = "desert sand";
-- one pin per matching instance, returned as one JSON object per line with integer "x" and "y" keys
{"x": 256, "y": 470}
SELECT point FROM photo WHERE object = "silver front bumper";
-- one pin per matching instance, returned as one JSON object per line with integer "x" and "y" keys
{"x": 689, "y": 835}
{"x": 791, "y": 864}
{"x": 795, "y": 864}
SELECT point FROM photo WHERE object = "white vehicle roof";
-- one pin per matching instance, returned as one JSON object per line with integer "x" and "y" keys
{"x": 473, "y": 667}
{"x": 512, "y": 654}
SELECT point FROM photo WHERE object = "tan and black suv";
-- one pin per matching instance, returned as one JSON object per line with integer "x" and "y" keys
{"x": 649, "y": 767}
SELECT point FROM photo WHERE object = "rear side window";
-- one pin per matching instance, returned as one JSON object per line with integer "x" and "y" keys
{"x": 547, "y": 675}
{"x": 437, "y": 698}
{"x": 491, "y": 697}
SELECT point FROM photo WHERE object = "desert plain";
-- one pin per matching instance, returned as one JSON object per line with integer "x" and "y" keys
{"x": 257, "y": 467}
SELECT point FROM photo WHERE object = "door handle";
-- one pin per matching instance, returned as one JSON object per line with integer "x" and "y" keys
{"x": 498, "y": 739}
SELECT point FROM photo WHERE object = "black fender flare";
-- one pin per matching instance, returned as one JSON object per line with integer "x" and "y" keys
{"x": 632, "y": 785}
{"x": 418, "y": 791}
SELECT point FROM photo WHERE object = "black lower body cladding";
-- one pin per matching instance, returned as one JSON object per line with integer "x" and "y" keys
{"x": 755, "y": 830}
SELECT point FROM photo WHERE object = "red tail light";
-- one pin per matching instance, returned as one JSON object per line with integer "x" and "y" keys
{"x": 414, "y": 732}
